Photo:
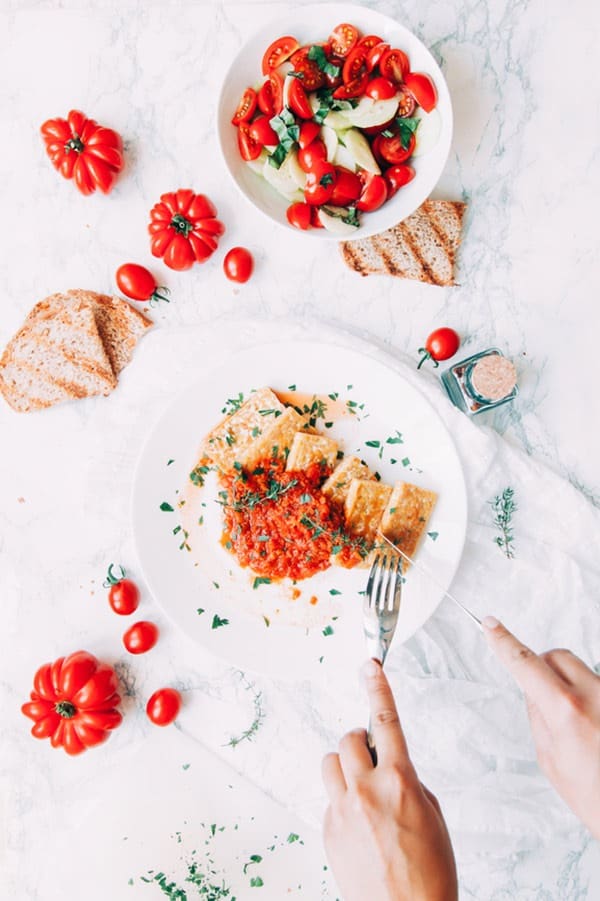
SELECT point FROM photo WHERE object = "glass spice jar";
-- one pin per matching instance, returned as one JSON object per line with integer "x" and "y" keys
{"x": 482, "y": 382}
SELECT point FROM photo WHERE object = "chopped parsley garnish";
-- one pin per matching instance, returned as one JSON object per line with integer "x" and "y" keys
{"x": 170, "y": 461}
{"x": 233, "y": 404}
{"x": 256, "y": 882}
{"x": 200, "y": 611}
{"x": 328, "y": 630}
{"x": 405, "y": 461}
{"x": 261, "y": 580}
{"x": 334, "y": 591}
{"x": 373, "y": 443}
{"x": 293, "y": 837}
{"x": 433, "y": 535}
{"x": 218, "y": 622}
{"x": 291, "y": 387}
{"x": 166, "y": 507}
{"x": 396, "y": 439}
{"x": 270, "y": 412}
{"x": 197, "y": 474}
{"x": 216, "y": 584}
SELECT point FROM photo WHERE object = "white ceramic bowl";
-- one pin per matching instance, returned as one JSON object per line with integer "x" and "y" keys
{"x": 245, "y": 70}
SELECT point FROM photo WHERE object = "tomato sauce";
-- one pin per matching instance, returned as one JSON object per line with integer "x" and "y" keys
{"x": 280, "y": 524}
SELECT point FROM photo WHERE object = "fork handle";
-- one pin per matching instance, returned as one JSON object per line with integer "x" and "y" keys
{"x": 370, "y": 737}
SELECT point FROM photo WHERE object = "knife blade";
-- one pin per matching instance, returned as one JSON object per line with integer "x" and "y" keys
{"x": 420, "y": 568}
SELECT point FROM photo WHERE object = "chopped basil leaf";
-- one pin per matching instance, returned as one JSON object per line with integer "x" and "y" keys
{"x": 373, "y": 443}
{"x": 317, "y": 54}
{"x": 433, "y": 535}
{"x": 334, "y": 591}
{"x": 261, "y": 580}
{"x": 328, "y": 630}
{"x": 166, "y": 507}
{"x": 217, "y": 621}
{"x": 406, "y": 129}
{"x": 278, "y": 156}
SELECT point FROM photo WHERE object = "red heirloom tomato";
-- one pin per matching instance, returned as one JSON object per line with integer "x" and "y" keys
{"x": 277, "y": 53}
{"x": 81, "y": 149}
{"x": 163, "y": 706}
{"x": 123, "y": 595}
{"x": 440, "y": 345}
{"x": 320, "y": 182}
{"x": 184, "y": 228}
{"x": 140, "y": 637}
{"x": 246, "y": 107}
{"x": 398, "y": 176}
{"x": 299, "y": 215}
{"x": 138, "y": 283}
{"x": 238, "y": 264}
{"x": 422, "y": 88}
{"x": 74, "y": 702}
{"x": 343, "y": 39}
{"x": 374, "y": 193}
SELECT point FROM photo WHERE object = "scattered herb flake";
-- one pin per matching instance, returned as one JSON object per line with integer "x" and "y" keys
{"x": 433, "y": 535}
{"x": 328, "y": 630}
{"x": 256, "y": 882}
{"x": 218, "y": 622}
{"x": 170, "y": 461}
{"x": 261, "y": 580}
{"x": 405, "y": 461}
{"x": 166, "y": 507}
{"x": 334, "y": 591}
{"x": 200, "y": 610}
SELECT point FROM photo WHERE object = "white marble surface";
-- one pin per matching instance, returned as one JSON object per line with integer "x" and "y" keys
{"x": 525, "y": 156}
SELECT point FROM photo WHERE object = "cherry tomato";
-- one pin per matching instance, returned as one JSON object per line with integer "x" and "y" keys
{"x": 394, "y": 65}
{"x": 314, "y": 218}
{"x": 308, "y": 157}
{"x": 380, "y": 89}
{"x": 392, "y": 149}
{"x": 334, "y": 81}
{"x": 440, "y": 345}
{"x": 163, "y": 706}
{"x": 277, "y": 52}
{"x": 374, "y": 193}
{"x": 369, "y": 41}
{"x": 300, "y": 215}
{"x": 298, "y": 101}
{"x": 398, "y": 176}
{"x": 276, "y": 82}
{"x": 355, "y": 66}
{"x": 347, "y": 187}
{"x": 422, "y": 88}
{"x": 248, "y": 147}
{"x": 246, "y": 107}
{"x": 376, "y": 129}
{"x": 262, "y": 133}
{"x": 265, "y": 99}
{"x": 320, "y": 182}
{"x": 238, "y": 264}
{"x": 308, "y": 132}
{"x": 343, "y": 39}
{"x": 140, "y": 637}
{"x": 406, "y": 103}
{"x": 138, "y": 283}
{"x": 312, "y": 77}
{"x": 123, "y": 594}
{"x": 375, "y": 53}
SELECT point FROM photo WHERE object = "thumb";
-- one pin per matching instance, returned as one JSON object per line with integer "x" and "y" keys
{"x": 536, "y": 679}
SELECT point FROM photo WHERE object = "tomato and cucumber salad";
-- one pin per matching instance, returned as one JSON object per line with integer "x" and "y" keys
{"x": 334, "y": 125}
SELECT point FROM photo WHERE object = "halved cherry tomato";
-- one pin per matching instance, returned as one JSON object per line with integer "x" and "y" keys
{"x": 262, "y": 133}
{"x": 246, "y": 107}
{"x": 308, "y": 157}
{"x": 265, "y": 99}
{"x": 422, "y": 88}
{"x": 394, "y": 65}
{"x": 312, "y": 77}
{"x": 277, "y": 52}
{"x": 375, "y": 54}
{"x": 380, "y": 88}
{"x": 320, "y": 183}
{"x": 343, "y": 39}
{"x": 249, "y": 148}
{"x": 298, "y": 101}
{"x": 334, "y": 81}
{"x": 276, "y": 82}
{"x": 355, "y": 65}
{"x": 369, "y": 41}
{"x": 308, "y": 132}
{"x": 163, "y": 706}
{"x": 123, "y": 594}
{"x": 238, "y": 264}
{"x": 392, "y": 149}
{"x": 300, "y": 215}
{"x": 374, "y": 193}
{"x": 347, "y": 187}
{"x": 398, "y": 176}
{"x": 406, "y": 102}
{"x": 138, "y": 283}
{"x": 314, "y": 219}
{"x": 140, "y": 637}
{"x": 440, "y": 345}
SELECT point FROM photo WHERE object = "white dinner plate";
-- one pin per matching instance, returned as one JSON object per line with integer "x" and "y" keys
{"x": 198, "y": 582}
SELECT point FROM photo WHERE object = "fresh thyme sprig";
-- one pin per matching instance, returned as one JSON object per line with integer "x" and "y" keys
{"x": 251, "y": 499}
{"x": 259, "y": 714}
{"x": 504, "y": 506}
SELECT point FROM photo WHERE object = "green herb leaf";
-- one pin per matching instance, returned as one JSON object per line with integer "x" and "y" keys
{"x": 292, "y": 837}
{"x": 334, "y": 591}
{"x": 200, "y": 611}
{"x": 317, "y": 54}
{"x": 406, "y": 129}
{"x": 256, "y": 882}
{"x": 166, "y": 507}
{"x": 261, "y": 580}
{"x": 373, "y": 443}
{"x": 433, "y": 535}
{"x": 328, "y": 630}
{"x": 218, "y": 622}
{"x": 397, "y": 439}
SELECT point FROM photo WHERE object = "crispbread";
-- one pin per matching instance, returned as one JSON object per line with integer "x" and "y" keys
{"x": 406, "y": 515}
{"x": 276, "y": 440}
{"x": 54, "y": 358}
{"x": 364, "y": 507}
{"x": 337, "y": 485}
{"x": 232, "y": 435}
{"x": 307, "y": 449}
{"x": 423, "y": 246}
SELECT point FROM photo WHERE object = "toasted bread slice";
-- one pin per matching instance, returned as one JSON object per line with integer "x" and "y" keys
{"x": 307, "y": 449}
{"x": 55, "y": 357}
{"x": 236, "y": 432}
{"x": 406, "y": 516}
{"x": 422, "y": 247}
{"x": 337, "y": 485}
{"x": 276, "y": 440}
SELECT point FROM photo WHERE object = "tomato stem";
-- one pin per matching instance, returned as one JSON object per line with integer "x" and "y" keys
{"x": 181, "y": 224}
{"x": 426, "y": 356}
{"x": 65, "y": 709}
{"x": 111, "y": 578}
{"x": 74, "y": 143}
{"x": 157, "y": 296}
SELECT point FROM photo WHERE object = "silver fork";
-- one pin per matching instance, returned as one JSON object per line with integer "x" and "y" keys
{"x": 381, "y": 607}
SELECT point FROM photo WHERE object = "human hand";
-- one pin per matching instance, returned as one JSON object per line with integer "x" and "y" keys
{"x": 563, "y": 700}
{"x": 384, "y": 832}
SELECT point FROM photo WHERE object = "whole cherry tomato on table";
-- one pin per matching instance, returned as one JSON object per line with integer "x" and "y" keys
{"x": 440, "y": 345}
{"x": 138, "y": 283}
{"x": 238, "y": 264}
{"x": 73, "y": 702}
{"x": 184, "y": 228}
{"x": 140, "y": 637}
{"x": 123, "y": 595}
{"x": 163, "y": 706}
{"x": 81, "y": 149}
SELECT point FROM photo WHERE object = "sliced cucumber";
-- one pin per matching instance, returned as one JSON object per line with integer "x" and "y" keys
{"x": 286, "y": 179}
{"x": 258, "y": 164}
{"x": 330, "y": 139}
{"x": 358, "y": 146}
{"x": 335, "y": 224}
{"x": 428, "y": 132}
{"x": 369, "y": 113}
{"x": 343, "y": 156}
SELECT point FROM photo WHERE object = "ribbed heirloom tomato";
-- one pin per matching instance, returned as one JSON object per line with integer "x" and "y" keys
{"x": 81, "y": 149}
{"x": 184, "y": 229}
{"x": 73, "y": 702}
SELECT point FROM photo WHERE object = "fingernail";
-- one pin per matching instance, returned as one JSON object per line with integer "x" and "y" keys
{"x": 490, "y": 622}
{"x": 371, "y": 668}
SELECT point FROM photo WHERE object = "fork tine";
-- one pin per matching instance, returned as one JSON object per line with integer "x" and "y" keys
{"x": 397, "y": 592}
{"x": 381, "y": 574}
{"x": 371, "y": 580}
